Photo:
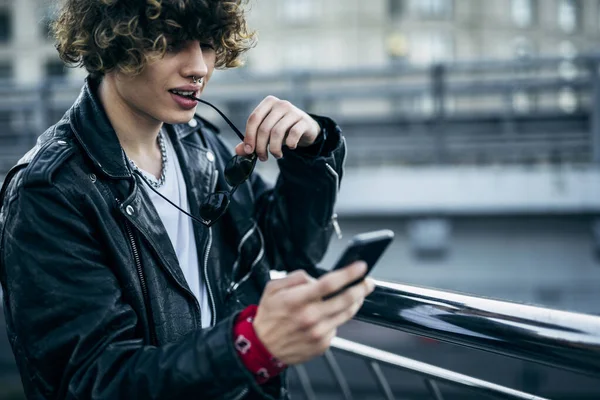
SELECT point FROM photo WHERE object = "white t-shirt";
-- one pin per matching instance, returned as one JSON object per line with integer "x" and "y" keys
{"x": 179, "y": 227}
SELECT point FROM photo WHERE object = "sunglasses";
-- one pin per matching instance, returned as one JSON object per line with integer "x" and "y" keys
{"x": 237, "y": 171}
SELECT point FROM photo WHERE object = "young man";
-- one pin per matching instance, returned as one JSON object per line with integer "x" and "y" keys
{"x": 134, "y": 248}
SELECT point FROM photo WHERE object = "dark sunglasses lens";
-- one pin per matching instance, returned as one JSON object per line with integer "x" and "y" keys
{"x": 239, "y": 168}
{"x": 214, "y": 206}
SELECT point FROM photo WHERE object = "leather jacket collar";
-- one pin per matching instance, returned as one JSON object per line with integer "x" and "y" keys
{"x": 96, "y": 135}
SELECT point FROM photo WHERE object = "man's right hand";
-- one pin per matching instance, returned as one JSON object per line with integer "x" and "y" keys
{"x": 294, "y": 322}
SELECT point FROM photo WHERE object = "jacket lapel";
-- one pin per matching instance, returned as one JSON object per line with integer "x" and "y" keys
{"x": 140, "y": 211}
{"x": 99, "y": 140}
{"x": 199, "y": 167}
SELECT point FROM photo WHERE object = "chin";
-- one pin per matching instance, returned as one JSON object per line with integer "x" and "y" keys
{"x": 182, "y": 117}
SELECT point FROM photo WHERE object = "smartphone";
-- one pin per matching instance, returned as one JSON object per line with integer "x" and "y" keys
{"x": 367, "y": 247}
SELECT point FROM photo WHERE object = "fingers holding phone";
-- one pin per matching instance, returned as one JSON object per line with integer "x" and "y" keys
{"x": 295, "y": 324}
{"x": 298, "y": 316}
{"x": 342, "y": 306}
{"x": 367, "y": 247}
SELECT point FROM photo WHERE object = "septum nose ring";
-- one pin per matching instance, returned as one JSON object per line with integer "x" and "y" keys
{"x": 196, "y": 80}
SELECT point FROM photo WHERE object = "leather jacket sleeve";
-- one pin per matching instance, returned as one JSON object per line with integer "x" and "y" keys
{"x": 73, "y": 333}
{"x": 296, "y": 215}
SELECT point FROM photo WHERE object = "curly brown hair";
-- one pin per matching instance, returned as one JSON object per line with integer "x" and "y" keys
{"x": 104, "y": 35}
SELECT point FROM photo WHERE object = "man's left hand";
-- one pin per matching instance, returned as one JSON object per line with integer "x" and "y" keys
{"x": 276, "y": 122}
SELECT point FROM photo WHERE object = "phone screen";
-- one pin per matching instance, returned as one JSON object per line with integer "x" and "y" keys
{"x": 367, "y": 247}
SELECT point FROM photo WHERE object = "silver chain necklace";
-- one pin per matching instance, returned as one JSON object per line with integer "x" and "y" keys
{"x": 163, "y": 154}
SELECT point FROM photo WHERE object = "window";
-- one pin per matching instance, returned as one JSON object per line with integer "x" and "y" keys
{"x": 522, "y": 102}
{"x": 396, "y": 8}
{"x": 396, "y": 45}
{"x": 569, "y": 15}
{"x": 431, "y": 8}
{"x": 6, "y": 70}
{"x": 431, "y": 48}
{"x": 299, "y": 55}
{"x": 296, "y": 10}
{"x": 522, "y": 12}
{"x": 567, "y": 100}
{"x": 598, "y": 15}
{"x": 5, "y": 26}
{"x": 46, "y": 12}
{"x": 566, "y": 49}
{"x": 55, "y": 69}
{"x": 523, "y": 47}
{"x": 430, "y": 237}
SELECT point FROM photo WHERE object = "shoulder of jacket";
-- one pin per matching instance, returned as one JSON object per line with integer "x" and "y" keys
{"x": 51, "y": 152}
{"x": 38, "y": 166}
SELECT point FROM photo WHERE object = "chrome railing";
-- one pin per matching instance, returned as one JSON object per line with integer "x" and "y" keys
{"x": 375, "y": 358}
{"x": 565, "y": 340}
{"x": 478, "y": 112}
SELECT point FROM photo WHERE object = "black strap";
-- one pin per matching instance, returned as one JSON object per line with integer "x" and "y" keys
{"x": 196, "y": 219}
{"x": 231, "y": 125}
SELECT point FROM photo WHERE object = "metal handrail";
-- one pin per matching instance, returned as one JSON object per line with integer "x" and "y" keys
{"x": 561, "y": 339}
{"x": 375, "y": 357}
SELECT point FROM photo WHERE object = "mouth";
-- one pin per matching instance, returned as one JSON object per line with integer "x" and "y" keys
{"x": 185, "y": 94}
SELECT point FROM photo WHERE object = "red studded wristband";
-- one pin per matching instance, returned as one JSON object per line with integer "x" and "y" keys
{"x": 254, "y": 355}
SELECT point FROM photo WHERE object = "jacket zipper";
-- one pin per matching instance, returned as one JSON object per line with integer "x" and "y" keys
{"x": 334, "y": 221}
{"x": 213, "y": 308}
{"x": 239, "y": 248}
{"x": 140, "y": 271}
{"x": 205, "y": 273}
{"x": 197, "y": 310}
{"x": 261, "y": 253}
{"x": 241, "y": 394}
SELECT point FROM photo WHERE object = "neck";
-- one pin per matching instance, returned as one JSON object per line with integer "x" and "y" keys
{"x": 137, "y": 132}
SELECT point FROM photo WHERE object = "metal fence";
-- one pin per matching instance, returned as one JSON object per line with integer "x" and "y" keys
{"x": 543, "y": 110}
{"x": 560, "y": 339}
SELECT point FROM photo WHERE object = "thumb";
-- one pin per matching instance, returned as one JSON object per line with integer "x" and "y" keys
{"x": 239, "y": 149}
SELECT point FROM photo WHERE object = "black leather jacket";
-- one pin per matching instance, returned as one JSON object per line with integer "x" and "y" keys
{"x": 96, "y": 303}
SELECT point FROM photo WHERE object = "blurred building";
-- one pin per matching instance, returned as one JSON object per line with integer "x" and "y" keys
{"x": 27, "y": 54}
{"x": 349, "y": 33}
{"x": 339, "y": 34}
{"x": 473, "y": 130}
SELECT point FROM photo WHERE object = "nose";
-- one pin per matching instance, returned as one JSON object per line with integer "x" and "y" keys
{"x": 194, "y": 60}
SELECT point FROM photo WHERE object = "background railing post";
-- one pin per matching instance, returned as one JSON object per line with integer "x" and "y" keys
{"x": 438, "y": 93}
{"x": 338, "y": 375}
{"x": 434, "y": 389}
{"x": 382, "y": 382}
{"x": 595, "y": 110}
{"x": 305, "y": 382}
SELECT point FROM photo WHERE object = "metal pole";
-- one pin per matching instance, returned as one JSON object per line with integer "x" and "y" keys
{"x": 438, "y": 93}
{"x": 305, "y": 382}
{"x": 434, "y": 389}
{"x": 338, "y": 375}
{"x": 430, "y": 371}
{"x": 381, "y": 380}
{"x": 561, "y": 339}
{"x": 595, "y": 111}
